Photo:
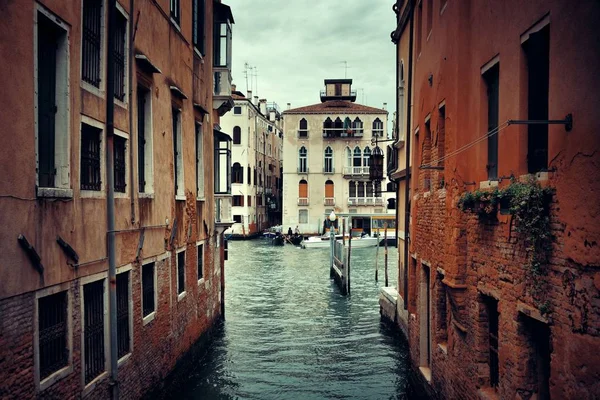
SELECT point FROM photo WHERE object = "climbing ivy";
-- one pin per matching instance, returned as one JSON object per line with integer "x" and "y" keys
{"x": 529, "y": 205}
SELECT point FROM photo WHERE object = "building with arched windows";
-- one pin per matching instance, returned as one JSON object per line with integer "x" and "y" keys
{"x": 326, "y": 161}
{"x": 256, "y": 164}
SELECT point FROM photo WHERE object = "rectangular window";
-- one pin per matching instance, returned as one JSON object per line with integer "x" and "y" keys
{"x": 91, "y": 46}
{"x": 198, "y": 25}
{"x": 175, "y": 10}
{"x": 492, "y": 78}
{"x": 249, "y": 201}
{"x": 199, "y": 162}
{"x": 237, "y": 110}
{"x": 200, "y": 261}
{"x": 537, "y": 51}
{"x": 237, "y": 219}
{"x": 222, "y": 40}
{"x": 181, "y": 272}
{"x": 52, "y": 95}
{"x": 303, "y": 216}
{"x": 123, "y": 333}
{"x": 441, "y": 144}
{"x": 491, "y": 306}
{"x": 419, "y": 28}
{"x": 144, "y": 125}
{"x": 90, "y": 178}
{"x": 120, "y": 54}
{"x": 238, "y": 201}
{"x": 93, "y": 329}
{"x": 119, "y": 146}
{"x": 177, "y": 153}
{"x": 148, "y": 291}
{"x": 53, "y": 333}
{"x": 249, "y": 175}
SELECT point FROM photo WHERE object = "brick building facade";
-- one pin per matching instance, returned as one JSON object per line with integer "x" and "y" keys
{"x": 172, "y": 83}
{"x": 483, "y": 318}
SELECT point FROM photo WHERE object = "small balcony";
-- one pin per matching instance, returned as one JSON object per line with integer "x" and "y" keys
{"x": 302, "y": 201}
{"x": 302, "y": 133}
{"x": 352, "y": 172}
{"x": 365, "y": 201}
{"x": 329, "y": 201}
{"x": 222, "y": 100}
{"x": 223, "y": 210}
{"x": 346, "y": 133}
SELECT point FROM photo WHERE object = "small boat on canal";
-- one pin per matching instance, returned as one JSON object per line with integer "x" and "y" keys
{"x": 278, "y": 240}
{"x": 324, "y": 241}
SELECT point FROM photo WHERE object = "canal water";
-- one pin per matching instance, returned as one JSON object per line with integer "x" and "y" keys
{"x": 290, "y": 334}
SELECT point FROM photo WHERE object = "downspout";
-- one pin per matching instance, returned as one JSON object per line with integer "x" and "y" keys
{"x": 110, "y": 201}
{"x": 397, "y": 119}
{"x": 407, "y": 158}
{"x": 130, "y": 80}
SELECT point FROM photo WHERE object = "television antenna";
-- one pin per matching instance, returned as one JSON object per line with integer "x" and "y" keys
{"x": 345, "y": 68}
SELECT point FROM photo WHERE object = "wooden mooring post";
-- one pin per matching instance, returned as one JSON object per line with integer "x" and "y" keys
{"x": 385, "y": 253}
{"x": 377, "y": 258}
{"x": 340, "y": 268}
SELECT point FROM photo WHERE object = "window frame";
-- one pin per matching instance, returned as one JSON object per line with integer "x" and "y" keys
{"x": 122, "y": 270}
{"x": 42, "y": 384}
{"x": 178, "y": 170}
{"x": 102, "y": 144}
{"x": 305, "y": 211}
{"x": 237, "y": 108}
{"x": 180, "y": 293}
{"x": 199, "y": 29}
{"x": 237, "y": 134}
{"x": 175, "y": 12}
{"x": 62, "y": 122}
{"x": 303, "y": 160}
{"x": 328, "y": 156}
{"x": 148, "y": 144}
{"x": 124, "y": 136}
{"x": 87, "y": 388}
{"x": 199, "y": 141}
{"x": 126, "y": 61}
{"x": 101, "y": 88}
{"x": 200, "y": 249}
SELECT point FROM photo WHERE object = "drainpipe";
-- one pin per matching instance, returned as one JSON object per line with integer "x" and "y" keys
{"x": 397, "y": 119}
{"x": 407, "y": 166}
{"x": 130, "y": 72}
{"x": 110, "y": 200}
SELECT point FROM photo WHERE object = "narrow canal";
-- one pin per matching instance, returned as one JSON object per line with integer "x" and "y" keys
{"x": 289, "y": 334}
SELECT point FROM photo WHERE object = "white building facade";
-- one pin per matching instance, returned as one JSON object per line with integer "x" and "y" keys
{"x": 256, "y": 164}
{"x": 326, "y": 159}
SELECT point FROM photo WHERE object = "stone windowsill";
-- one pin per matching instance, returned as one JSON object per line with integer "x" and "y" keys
{"x": 443, "y": 346}
{"x": 60, "y": 193}
{"x": 426, "y": 372}
{"x": 488, "y": 184}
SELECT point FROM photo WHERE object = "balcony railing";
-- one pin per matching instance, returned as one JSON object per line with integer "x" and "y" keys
{"x": 347, "y": 133}
{"x": 329, "y": 201}
{"x": 329, "y": 170}
{"x": 302, "y": 133}
{"x": 365, "y": 201}
{"x": 222, "y": 81}
{"x": 356, "y": 171}
{"x": 303, "y": 170}
{"x": 324, "y": 94}
{"x": 302, "y": 201}
{"x": 377, "y": 132}
{"x": 223, "y": 209}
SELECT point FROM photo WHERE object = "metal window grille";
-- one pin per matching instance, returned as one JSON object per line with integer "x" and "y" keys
{"x": 141, "y": 115}
{"x": 200, "y": 262}
{"x": 119, "y": 55}
{"x": 91, "y": 42}
{"x": 123, "y": 314}
{"x": 181, "y": 272}
{"x": 90, "y": 158}
{"x": 198, "y": 33}
{"x": 48, "y": 35}
{"x": 93, "y": 304}
{"x": 119, "y": 161}
{"x": 148, "y": 289}
{"x": 492, "y": 307}
{"x": 53, "y": 331}
{"x": 174, "y": 7}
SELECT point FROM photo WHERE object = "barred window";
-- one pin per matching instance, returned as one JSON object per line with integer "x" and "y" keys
{"x": 53, "y": 331}
{"x": 119, "y": 161}
{"x": 198, "y": 25}
{"x": 200, "y": 262}
{"x": 175, "y": 10}
{"x": 93, "y": 317}
{"x": 181, "y": 272}
{"x": 148, "y": 301}
{"x": 119, "y": 54}
{"x": 91, "y": 42}
{"x": 123, "y": 339}
{"x": 90, "y": 158}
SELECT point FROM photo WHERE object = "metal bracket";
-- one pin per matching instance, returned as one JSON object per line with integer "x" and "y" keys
{"x": 140, "y": 243}
{"x": 34, "y": 257}
{"x": 567, "y": 122}
{"x": 69, "y": 251}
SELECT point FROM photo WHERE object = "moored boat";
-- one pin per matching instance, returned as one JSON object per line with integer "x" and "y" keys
{"x": 278, "y": 240}
{"x": 323, "y": 242}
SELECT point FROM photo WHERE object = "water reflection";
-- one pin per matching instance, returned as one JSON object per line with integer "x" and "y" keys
{"x": 290, "y": 334}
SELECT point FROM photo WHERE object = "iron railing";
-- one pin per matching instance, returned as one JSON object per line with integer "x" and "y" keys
{"x": 365, "y": 201}
{"x": 119, "y": 55}
{"x": 91, "y": 42}
{"x": 329, "y": 201}
{"x": 90, "y": 158}
{"x": 119, "y": 164}
{"x": 356, "y": 171}
{"x": 302, "y": 201}
{"x": 343, "y": 132}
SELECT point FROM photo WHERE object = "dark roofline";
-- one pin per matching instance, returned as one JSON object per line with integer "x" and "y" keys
{"x": 327, "y": 81}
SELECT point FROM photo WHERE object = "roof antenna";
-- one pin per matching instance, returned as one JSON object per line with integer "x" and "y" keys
{"x": 345, "y": 68}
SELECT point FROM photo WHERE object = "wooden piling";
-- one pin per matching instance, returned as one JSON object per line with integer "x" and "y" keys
{"x": 348, "y": 263}
{"x": 385, "y": 253}
{"x": 377, "y": 258}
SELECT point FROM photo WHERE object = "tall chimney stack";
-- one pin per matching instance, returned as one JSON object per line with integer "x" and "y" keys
{"x": 249, "y": 95}
{"x": 289, "y": 106}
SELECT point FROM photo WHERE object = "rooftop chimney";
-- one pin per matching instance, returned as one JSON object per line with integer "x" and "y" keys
{"x": 289, "y": 106}
{"x": 385, "y": 106}
{"x": 249, "y": 95}
{"x": 255, "y": 100}
{"x": 263, "y": 106}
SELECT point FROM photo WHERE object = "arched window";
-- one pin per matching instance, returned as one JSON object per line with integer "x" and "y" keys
{"x": 237, "y": 135}
{"x": 356, "y": 160}
{"x": 327, "y": 125}
{"x": 348, "y": 126}
{"x": 338, "y": 127}
{"x": 366, "y": 156}
{"x": 328, "y": 165}
{"x": 357, "y": 126}
{"x": 303, "y": 128}
{"x": 348, "y": 157}
{"x": 329, "y": 193}
{"x": 377, "y": 128}
{"x": 237, "y": 173}
{"x": 302, "y": 160}
{"x": 303, "y": 189}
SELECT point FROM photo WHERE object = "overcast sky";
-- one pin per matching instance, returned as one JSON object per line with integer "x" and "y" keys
{"x": 296, "y": 44}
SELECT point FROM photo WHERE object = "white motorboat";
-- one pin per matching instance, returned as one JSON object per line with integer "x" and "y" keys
{"x": 323, "y": 242}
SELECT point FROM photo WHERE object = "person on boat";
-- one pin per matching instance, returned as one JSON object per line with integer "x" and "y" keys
{"x": 290, "y": 231}
{"x": 297, "y": 231}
